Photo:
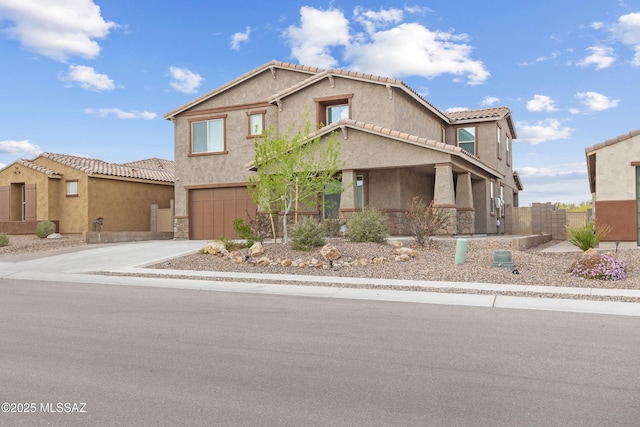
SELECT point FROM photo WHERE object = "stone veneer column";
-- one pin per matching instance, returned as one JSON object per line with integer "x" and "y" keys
{"x": 464, "y": 204}
{"x": 444, "y": 197}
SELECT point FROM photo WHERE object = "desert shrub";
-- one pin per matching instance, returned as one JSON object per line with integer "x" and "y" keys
{"x": 587, "y": 236}
{"x": 44, "y": 228}
{"x": 232, "y": 245}
{"x": 245, "y": 231}
{"x": 4, "y": 240}
{"x": 424, "y": 221}
{"x": 331, "y": 227}
{"x": 594, "y": 265}
{"x": 306, "y": 234}
{"x": 368, "y": 225}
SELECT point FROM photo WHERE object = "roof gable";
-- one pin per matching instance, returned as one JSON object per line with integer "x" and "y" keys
{"x": 369, "y": 78}
{"x": 271, "y": 66}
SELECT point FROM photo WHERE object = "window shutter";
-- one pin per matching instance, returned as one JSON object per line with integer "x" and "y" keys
{"x": 30, "y": 202}
{"x": 4, "y": 203}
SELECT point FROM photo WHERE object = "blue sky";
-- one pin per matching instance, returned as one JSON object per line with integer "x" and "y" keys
{"x": 94, "y": 78}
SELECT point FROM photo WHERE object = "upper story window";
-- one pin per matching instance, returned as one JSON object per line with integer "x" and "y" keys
{"x": 208, "y": 136}
{"x": 499, "y": 139}
{"x": 72, "y": 188}
{"x": 331, "y": 109}
{"x": 467, "y": 139}
{"x": 507, "y": 147}
{"x": 256, "y": 123}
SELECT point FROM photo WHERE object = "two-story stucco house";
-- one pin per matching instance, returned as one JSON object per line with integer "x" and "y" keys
{"x": 394, "y": 145}
{"x": 614, "y": 180}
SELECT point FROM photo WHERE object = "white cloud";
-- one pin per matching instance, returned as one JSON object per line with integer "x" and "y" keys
{"x": 601, "y": 56}
{"x": 456, "y": 109}
{"x": 595, "y": 101}
{"x": 566, "y": 183}
{"x": 404, "y": 49}
{"x": 371, "y": 20}
{"x": 319, "y": 30}
{"x": 185, "y": 80}
{"x": 541, "y": 131}
{"x": 627, "y": 30}
{"x": 104, "y": 112}
{"x": 87, "y": 78}
{"x": 56, "y": 29}
{"x": 488, "y": 101}
{"x": 541, "y": 103}
{"x": 238, "y": 38}
{"x": 18, "y": 148}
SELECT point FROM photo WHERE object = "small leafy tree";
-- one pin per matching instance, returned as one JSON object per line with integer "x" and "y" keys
{"x": 587, "y": 236}
{"x": 292, "y": 169}
{"x": 245, "y": 231}
{"x": 423, "y": 221}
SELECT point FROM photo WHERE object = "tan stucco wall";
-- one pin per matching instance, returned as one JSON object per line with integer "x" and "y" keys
{"x": 615, "y": 177}
{"x": 125, "y": 205}
{"x": 46, "y": 199}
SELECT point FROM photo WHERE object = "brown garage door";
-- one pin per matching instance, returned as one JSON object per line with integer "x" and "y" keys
{"x": 212, "y": 211}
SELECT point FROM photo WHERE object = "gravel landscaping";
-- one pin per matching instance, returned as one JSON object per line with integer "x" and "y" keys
{"x": 381, "y": 260}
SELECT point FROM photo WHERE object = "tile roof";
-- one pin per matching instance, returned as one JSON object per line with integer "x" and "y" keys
{"x": 612, "y": 141}
{"x": 401, "y": 136}
{"x": 150, "y": 169}
{"x": 29, "y": 164}
{"x": 484, "y": 113}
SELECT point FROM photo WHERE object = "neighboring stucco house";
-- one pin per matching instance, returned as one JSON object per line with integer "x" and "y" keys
{"x": 614, "y": 181}
{"x": 394, "y": 145}
{"x": 74, "y": 191}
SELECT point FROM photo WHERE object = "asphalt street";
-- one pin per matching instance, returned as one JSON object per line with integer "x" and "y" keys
{"x": 129, "y": 355}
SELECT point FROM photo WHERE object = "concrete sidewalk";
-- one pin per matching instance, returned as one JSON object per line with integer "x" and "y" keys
{"x": 129, "y": 259}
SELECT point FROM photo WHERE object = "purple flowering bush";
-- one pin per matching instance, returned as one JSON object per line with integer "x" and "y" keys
{"x": 593, "y": 265}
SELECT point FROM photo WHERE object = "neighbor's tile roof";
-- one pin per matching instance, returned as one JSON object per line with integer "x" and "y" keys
{"x": 29, "y": 164}
{"x": 150, "y": 169}
{"x": 612, "y": 141}
{"x": 484, "y": 113}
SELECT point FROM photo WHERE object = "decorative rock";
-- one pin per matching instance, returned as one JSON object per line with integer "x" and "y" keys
{"x": 378, "y": 260}
{"x": 54, "y": 236}
{"x": 330, "y": 252}
{"x": 256, "y": 250}
{"x": 395, "y": 243}
{"x": 214, "y": 248}
{"x": 405, "y": 251}
{"x": 286, "y": 263}
{"x": 403, "y": 257}
{"x": 263, "y": 261}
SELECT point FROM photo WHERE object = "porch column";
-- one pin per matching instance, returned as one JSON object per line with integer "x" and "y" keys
{"x": 348, "y": 198}
{"x": 444, "y": 198}
{"x": 464, "y": 204}
{"x": 443, "y": 193}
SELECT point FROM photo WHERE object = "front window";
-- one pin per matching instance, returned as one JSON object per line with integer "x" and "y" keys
{"x": 467, "y": 139}
{"x": 331, "y": 109}
{"x": 331, "y": 200}
{"x": 499, "y": 147}
{"x": 337, "y": 112}
{"x": 256, "y": 123}
{"x": 507, "y": 147}
{"x": 360, "y": 190}
{"x": 72, "y": 188}
{"x": 207, "y": 136}
{"x": 492, "y": 197}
